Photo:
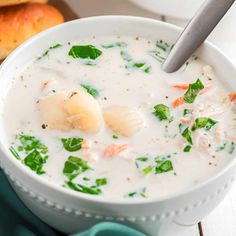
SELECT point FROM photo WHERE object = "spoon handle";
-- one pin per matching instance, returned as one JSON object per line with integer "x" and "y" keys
{"x": 196, "y": 32}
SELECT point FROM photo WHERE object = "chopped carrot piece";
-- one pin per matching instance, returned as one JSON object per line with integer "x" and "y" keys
{"x": 206, "y": 89}
{"x": 177, "y": 102}
{"x": 181, "y": 86}
{"x": 232, "y": 96}
{"x": 112, "y": 150}
{"x": 88, "y": 155}
{"x": 86, "y": 144}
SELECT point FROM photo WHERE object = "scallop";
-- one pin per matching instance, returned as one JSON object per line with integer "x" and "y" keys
{"x": 53, "y": 113}
{"x": 83, "y": 112}
{"x": 123, "y": 120}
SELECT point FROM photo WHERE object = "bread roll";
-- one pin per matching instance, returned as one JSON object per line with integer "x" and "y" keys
{"x": 18, "y": 23}
{"x": 4, "y": 3}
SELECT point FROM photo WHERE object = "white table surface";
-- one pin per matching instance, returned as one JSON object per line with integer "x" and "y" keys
{"x": 222, "y": 221}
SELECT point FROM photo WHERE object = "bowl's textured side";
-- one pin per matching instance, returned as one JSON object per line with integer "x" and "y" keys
{"x": 164, "y": 215}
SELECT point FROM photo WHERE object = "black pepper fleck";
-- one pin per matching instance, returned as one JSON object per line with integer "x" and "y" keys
{"x": 44, "y": 126}
{"x": 72, "y": 94}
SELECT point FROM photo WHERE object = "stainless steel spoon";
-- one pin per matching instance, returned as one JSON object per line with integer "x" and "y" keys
{"x": 196, "y": 32}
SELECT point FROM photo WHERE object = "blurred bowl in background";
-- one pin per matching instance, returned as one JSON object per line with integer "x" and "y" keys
{"x": 182, "y": 9}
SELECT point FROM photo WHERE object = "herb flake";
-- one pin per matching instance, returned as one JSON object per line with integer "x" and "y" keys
{"x": 92, "y": 91}
{"x": 14, "y": 153}
{"x": 162, "y": 45}
{"x": 46, "y": 53}
{"x": 139, "y": 193}
{"x": 187, "y": 148}
{"x": 147, "y": 170}
{"x": 193, "y": 91}
{"x": 125, "y": 56}
{"x": 187, "y": 134}
{"x": 162, "y": 112}
{"x": 186, "y": 112}
{"x": 117, "y": 44}
{"x": 83, "y": 189}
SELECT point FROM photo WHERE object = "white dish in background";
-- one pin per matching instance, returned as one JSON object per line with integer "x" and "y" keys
{"x": 70, "y": 211}
{"x": 181, "y": 9}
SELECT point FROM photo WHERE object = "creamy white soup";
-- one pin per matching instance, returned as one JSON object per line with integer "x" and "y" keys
{"x": 99, "y": 116}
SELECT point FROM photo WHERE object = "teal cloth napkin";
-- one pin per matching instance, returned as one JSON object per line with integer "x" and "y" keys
{"x": 17, "y": 220}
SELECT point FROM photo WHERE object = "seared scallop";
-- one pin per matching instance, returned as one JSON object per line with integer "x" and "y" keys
{"x": 53, "y": 113}
{"x": 123, "y": 120}
{"x": 83, "y": 112}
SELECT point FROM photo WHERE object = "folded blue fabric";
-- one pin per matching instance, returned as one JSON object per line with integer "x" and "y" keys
{"x": 17, "y": 220}
{"x": 110, "y": 229}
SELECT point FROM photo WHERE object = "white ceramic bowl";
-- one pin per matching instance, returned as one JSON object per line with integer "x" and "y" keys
{"x": 70, "y": 211}
{"x": 182, "y": 9}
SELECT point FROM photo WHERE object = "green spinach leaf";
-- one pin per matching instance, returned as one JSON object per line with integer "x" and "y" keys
{"x": 85, "y": 51}
{"x": 193, "y": 91}
{"x": 30, "y": 143}
{"x": 187, "y": 135}
{"x": 163, "y": 166}
{"x": 203, "y": 122}
{"x": 75, "y": 166}
{"x": 100, "y": 182}
{"x": 72, "y": 144}
{"x": 187, "y": 148}
{"x": 35, "y": 161}
{"x": 90, "y": 90}
{"x": 162, "y": 112}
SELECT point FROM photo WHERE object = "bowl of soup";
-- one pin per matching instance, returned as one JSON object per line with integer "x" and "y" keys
{"x": 92, "y": 129}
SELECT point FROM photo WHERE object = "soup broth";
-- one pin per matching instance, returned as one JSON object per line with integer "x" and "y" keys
{"x": 99, "y": 116}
